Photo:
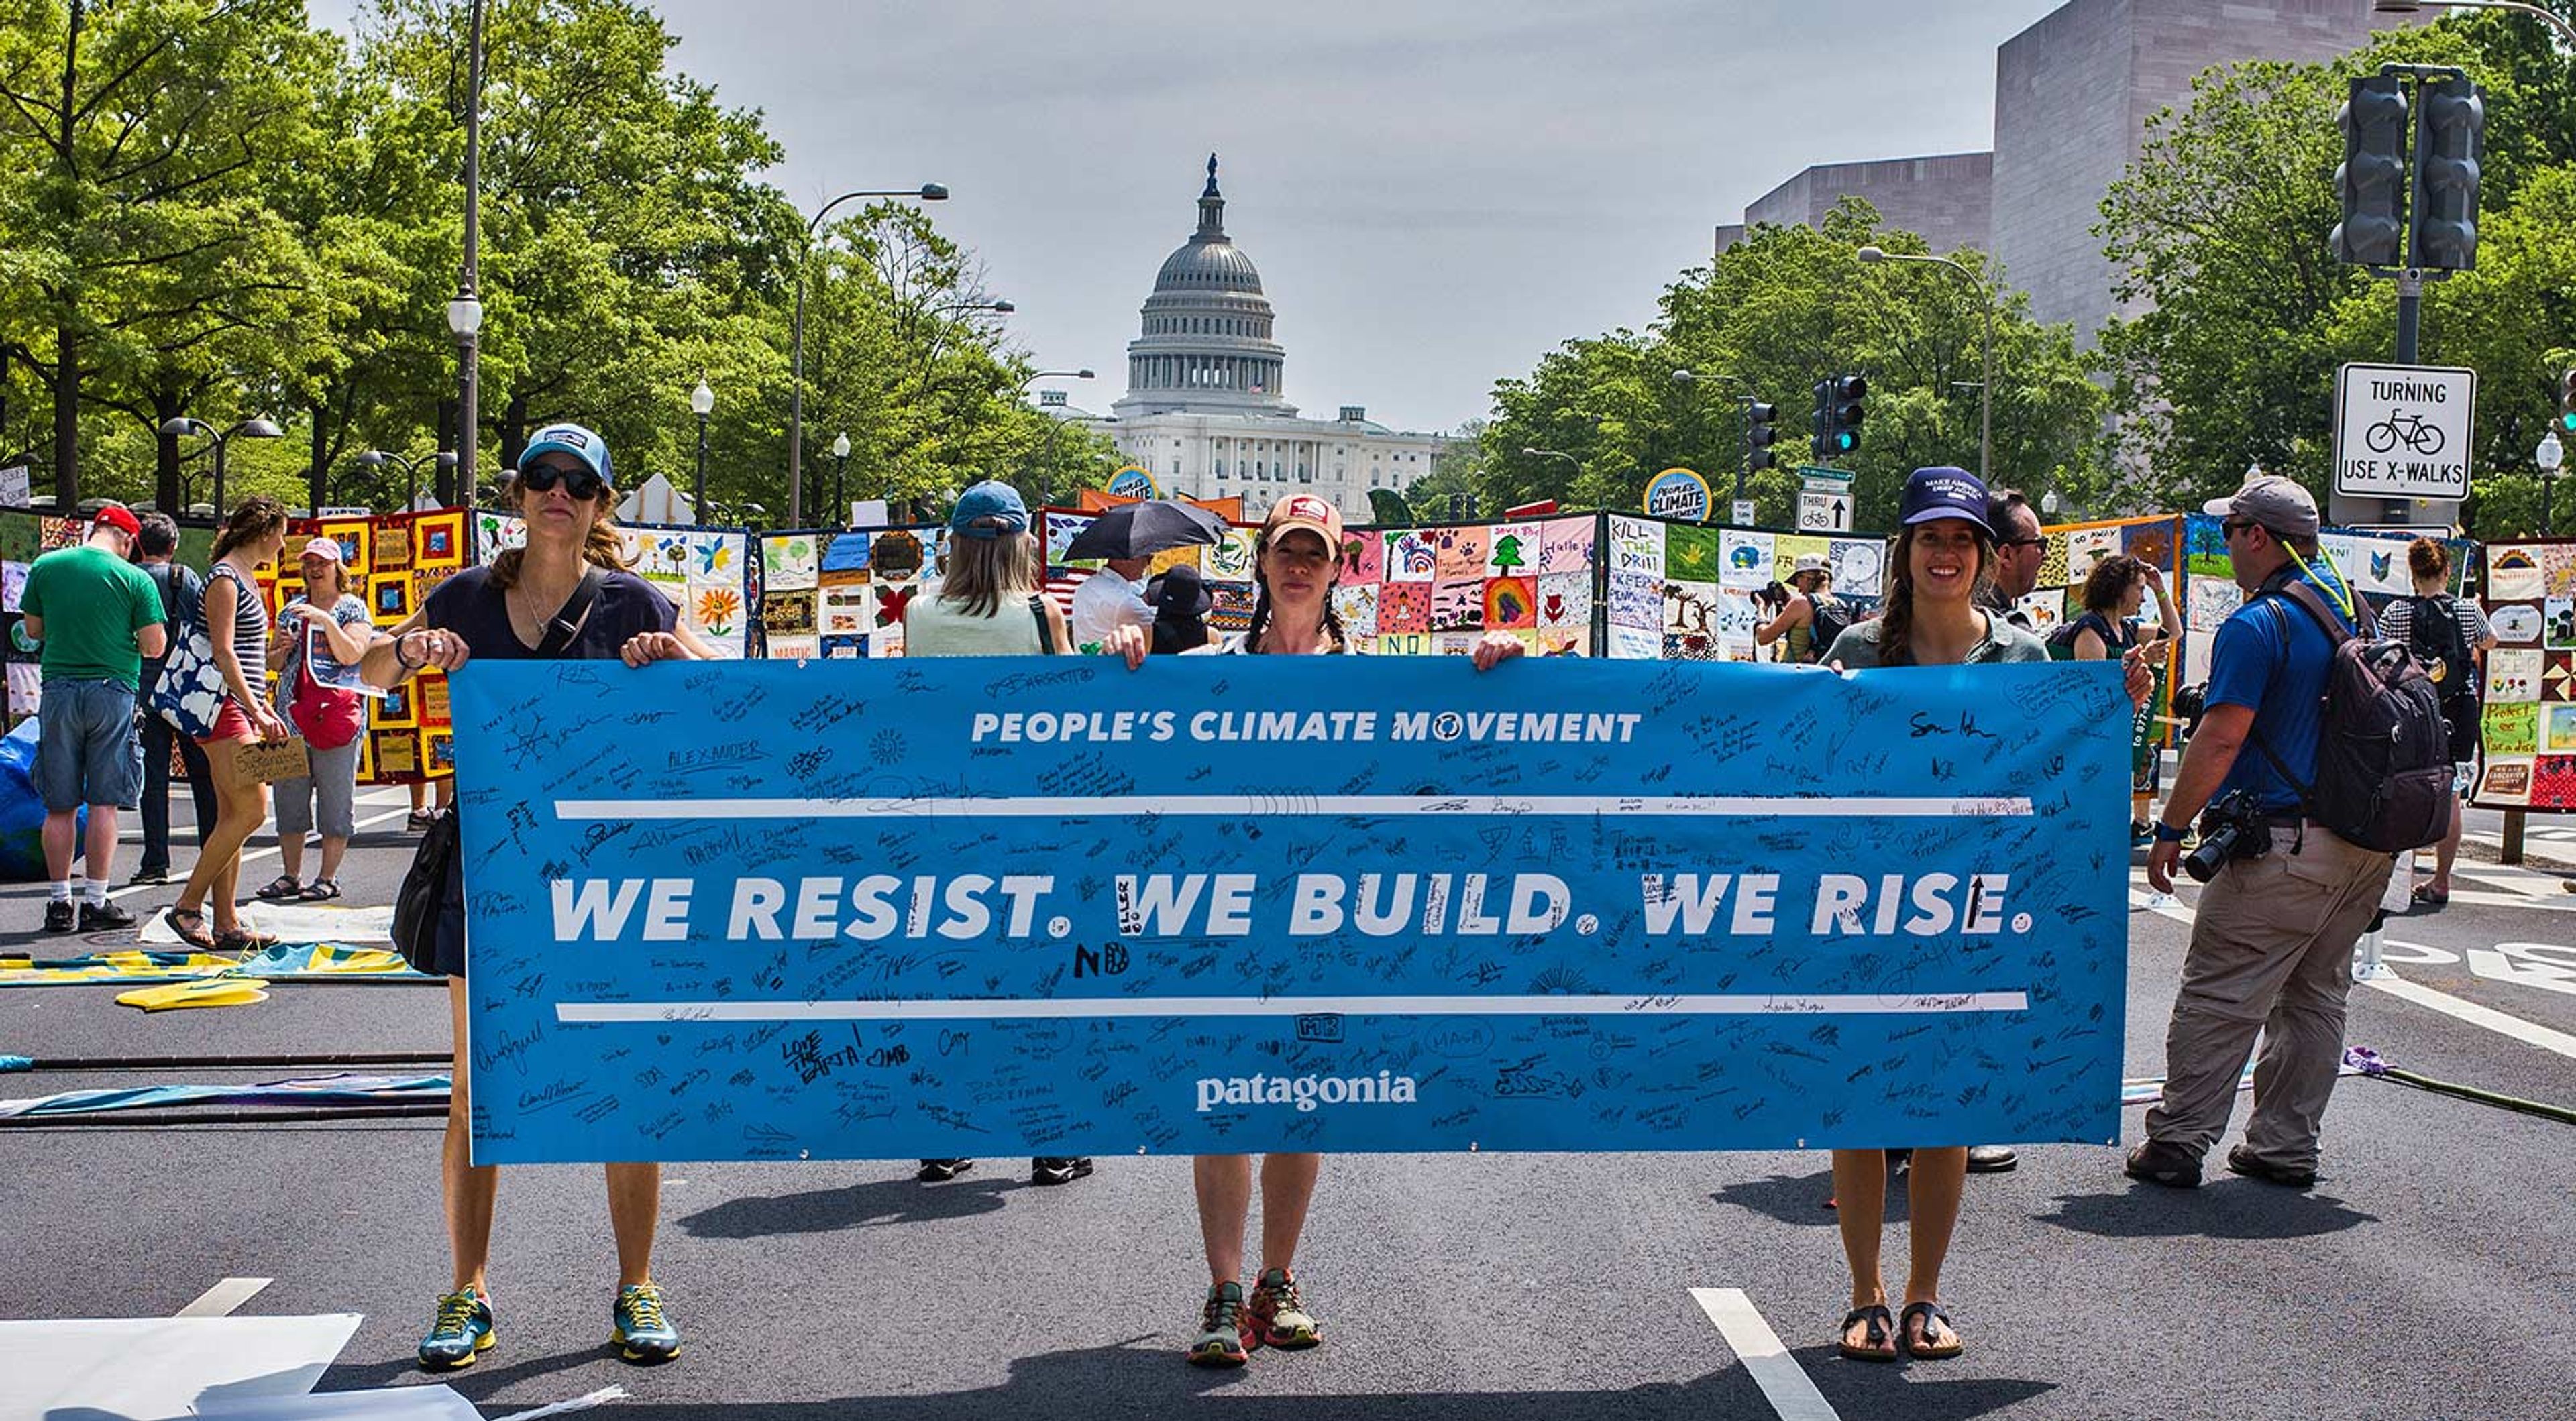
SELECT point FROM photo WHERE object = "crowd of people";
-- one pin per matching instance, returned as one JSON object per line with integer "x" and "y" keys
{"x": 2269, "y": 950}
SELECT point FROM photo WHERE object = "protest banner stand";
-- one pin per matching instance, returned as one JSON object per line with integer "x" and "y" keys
{"x": 2527, "y": 718}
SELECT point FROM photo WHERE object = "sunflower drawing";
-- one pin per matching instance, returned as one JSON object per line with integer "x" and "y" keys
{"x": 717, "y": 608}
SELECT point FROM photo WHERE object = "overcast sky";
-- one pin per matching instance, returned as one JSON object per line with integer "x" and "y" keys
{"x": 1436, "y": 191}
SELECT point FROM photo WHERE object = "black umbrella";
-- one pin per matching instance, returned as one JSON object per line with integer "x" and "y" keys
{"x": 1140, "y": 530}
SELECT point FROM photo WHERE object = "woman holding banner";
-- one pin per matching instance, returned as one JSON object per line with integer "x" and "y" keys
{"x": 319, "y": 639}
{"x": 1294, "y": 562}
{"x": 1944, "y": 553}
{"x": 566, "y": 595}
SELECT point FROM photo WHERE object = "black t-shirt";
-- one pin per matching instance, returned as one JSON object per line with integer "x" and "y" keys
{"x": 469, "y": 605}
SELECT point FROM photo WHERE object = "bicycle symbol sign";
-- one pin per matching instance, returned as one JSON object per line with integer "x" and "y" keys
{"x": 2402, "y": 431}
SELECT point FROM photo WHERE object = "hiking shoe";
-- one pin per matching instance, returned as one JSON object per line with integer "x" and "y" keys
{"x": 1225, "y": 1329}
{"x": 1058, "y": 1171}
{"x": 643, "y": 1333}
{"x": 2159, "y": 1163}
{"x": 97, "y": 917}
{"x": 935, "y": 1170}
{"x": 1992, "y": 1159}
{"x": 58, "y": 916}
{"x": 1279, "y": 1317}
{"x": 459, "y": 1332}
{"x": 2241, "y": 1160}
{"x": 149, "y": 875}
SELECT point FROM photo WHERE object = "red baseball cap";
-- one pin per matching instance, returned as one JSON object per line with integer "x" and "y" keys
{"x": 120, "y": 518}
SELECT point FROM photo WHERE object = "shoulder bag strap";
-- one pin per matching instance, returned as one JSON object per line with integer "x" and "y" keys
{"x": 2307, "y": 791}
{"x": 570, "y": 616}
{"x": 1046, "y": 634}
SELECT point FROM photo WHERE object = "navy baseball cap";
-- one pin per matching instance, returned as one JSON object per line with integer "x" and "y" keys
{"x": 1944, "y": 492}
{"x": 991, "y": 499}
{"x": 581, "y": 443}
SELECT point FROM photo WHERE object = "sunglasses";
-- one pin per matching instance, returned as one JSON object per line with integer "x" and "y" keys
{"x": 582, "y": 484}
{"x": 2234, "y": 526}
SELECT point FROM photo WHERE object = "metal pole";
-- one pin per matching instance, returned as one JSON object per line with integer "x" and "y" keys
{"x": 219, "y": 476}
{"x": 2410, "y": 322}
{"x": 796, "y": 393}
{"x": 698, "y": 491}
{"x": 1986, "y": 397}
{"x": 469, "y": 348}
{"x": 840, "y": 488}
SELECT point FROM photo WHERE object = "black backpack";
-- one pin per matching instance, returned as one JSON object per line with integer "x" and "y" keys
{"x": 1827, "y": 620}
{"x": 2433, "y": 634}
{"x": 2383, "y": 771}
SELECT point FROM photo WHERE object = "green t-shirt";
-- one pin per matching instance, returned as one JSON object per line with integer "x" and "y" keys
{"x": 93, "y": 603}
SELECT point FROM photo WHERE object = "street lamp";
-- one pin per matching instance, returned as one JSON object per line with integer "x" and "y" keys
{"x": 465, "y": 313}
{"x": 1745, "y": 403}
{"x": 2048, "y": 503}
{"x": 465, "y": 320}
{"x": 2417, "y": 7}
{"x": 1046, "y": 490}
{"x": 927, "y": 192}
{"x": 1986, "y": 390}
{"x": 702, "y": 402}
{"x": 2548, "y": 456}
{"x": 840, "y": 476}
{"x": 253, "y": 428}
{"x": 445, "y": 462}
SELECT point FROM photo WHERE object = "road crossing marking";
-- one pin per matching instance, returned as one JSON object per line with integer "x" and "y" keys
{"x": 222, "y": 1298}
{"x": 1784, "y": 1383}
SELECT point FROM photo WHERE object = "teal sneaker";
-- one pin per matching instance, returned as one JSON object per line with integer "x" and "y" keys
{"x": 1279, "y": 1316}
{"x": 1225, "y": 1329}
{"x": 643, "y": 1333}
{"x": 460, "y": 1331}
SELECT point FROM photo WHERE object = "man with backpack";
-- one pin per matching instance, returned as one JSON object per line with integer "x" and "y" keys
{"x": 181, "y": 591}
{"x": 2450, "y": 637}
{"x": 2323, "y": 750}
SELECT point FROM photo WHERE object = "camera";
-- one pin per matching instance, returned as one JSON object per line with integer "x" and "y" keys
{"x": 2231, "y": 829}
{"x": 1772, "y": 595}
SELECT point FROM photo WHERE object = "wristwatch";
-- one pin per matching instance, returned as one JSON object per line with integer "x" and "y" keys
{"x": 2167, "y": 834}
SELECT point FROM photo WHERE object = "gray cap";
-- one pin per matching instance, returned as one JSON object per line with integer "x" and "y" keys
{"x": 2279, "y": 504}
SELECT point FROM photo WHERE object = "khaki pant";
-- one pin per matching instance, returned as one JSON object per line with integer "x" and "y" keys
{"x": 2271, "y": 950}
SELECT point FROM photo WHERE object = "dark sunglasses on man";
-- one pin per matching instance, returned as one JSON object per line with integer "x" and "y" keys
{"x": 581, "y": 483}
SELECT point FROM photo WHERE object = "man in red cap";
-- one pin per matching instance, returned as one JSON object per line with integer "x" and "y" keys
{"x": 97, "y": 616}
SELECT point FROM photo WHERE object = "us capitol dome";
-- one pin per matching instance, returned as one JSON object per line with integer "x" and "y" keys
{"x": 1206, "y": 411}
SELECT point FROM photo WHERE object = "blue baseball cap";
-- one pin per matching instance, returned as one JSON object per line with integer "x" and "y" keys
{"x": 993, "y": 500}
{"x": 1944, "y": 492}
{"x": 581, "y": 443}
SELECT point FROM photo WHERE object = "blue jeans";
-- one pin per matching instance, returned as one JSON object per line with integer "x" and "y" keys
{"x": 158, "y": 740}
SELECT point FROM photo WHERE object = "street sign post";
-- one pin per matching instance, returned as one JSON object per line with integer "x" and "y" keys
{"x": 2402, "y": 431}
{"x": 1824, "y": 499}
{"x": 1744, "y": 513}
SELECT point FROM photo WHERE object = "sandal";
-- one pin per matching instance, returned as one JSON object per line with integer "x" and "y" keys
{"x": 180, "y": 921}
{"x": 2430, "y": 896}
{"x": 319, "y": 890}
{"x": 243, "y": 940}
{"x": 1918, "y": 1340}
{"x": 279, "y": 889}
{"x": 420, "y": 819}
{"x": 1878, "y": 1342}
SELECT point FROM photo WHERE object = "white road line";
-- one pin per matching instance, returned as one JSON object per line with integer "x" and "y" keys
{"x": 2457, "y": 1008}
{"x": 222, "y": 1298}
{"x": 1743, "y": 1004}
{"x": 1784, "y": 1383}
{"x": 179, "y": 882}
{"x": 1269, "y": 805}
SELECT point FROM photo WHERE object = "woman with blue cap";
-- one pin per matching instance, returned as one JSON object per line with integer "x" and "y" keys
{"x": 566, "y": 595}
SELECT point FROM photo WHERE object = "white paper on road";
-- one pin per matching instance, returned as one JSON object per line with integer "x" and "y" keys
{"x": 397, "y": 1403}
{"x": 152, "y": 1367}
{"x": 296, "y": 922}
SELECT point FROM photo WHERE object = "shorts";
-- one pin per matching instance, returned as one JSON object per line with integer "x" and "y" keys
{"x": 232, "y": 723}
{"x": 327, "y": 792}
{"x": 87, "y": 751}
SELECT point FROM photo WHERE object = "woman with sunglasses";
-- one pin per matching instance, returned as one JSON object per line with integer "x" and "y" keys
{"x": 566, "y": 594}
{"x": 1295, "y": 560}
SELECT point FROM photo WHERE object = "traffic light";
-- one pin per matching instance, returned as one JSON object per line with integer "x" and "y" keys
{"x": 1841, "y": 413}
{"x": 2450, "y": 135}
{"x": 2372, "y": 178}
{"x": 2567, "y": 402}
{"x": 1759, "y": 434}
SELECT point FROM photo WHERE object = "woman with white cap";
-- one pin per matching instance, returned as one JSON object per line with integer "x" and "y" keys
{"x": 1797, "y": 618}
{"x": 321, "y": 636}
{"x": 566, "y": 595}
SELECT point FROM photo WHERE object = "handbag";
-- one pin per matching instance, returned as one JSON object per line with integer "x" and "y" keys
{"x": 191, "y": 691}
{"x": 422, "y": 903}
{"x": 328, "y": 716}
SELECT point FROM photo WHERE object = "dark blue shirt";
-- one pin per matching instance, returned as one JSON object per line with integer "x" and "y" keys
{"x": 2285, "y": 687}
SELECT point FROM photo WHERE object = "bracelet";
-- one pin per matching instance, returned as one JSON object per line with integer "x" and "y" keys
{"x": 404, "y": 662}
{"x": 2167, "y": 834}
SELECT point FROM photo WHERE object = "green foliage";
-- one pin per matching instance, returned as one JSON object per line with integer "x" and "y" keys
{"x": 1770, "y": 317}
{"x": 2220, "y": 231}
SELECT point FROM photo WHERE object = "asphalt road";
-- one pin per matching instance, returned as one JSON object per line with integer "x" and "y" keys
{"x": 2426, "y": 1275}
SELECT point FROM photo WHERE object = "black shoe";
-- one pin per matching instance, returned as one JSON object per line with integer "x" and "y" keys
{"x": 1898, "y": 1162}
{"x": 1058, "y": 1171}
{"x": 149, "y": 875}
{"x": 2241, "y": 1160}
{"x": 935, "y": 1170}
{"x": 59, "y": 915}
{"x": 98, "y": 917}
{"x": 2159, "y": 1163}
{"x": 1991, "y": 1159}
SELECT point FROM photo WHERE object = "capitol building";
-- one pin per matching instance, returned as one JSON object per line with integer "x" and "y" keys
{"x": 1206, "y": 410}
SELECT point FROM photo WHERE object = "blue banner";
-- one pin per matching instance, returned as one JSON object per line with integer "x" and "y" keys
{"x": 988, "y": 907}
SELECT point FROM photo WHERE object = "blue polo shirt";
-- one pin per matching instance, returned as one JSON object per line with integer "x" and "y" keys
{"x": 2284, "y": 686}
